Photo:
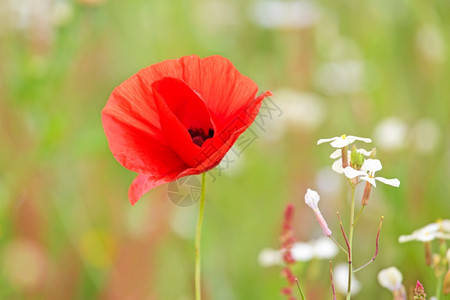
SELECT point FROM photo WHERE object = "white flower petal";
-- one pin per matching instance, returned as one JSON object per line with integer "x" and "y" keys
{"x": 352, "y": 173}
{"x": 357, "y": 138}
{"x": 445, "y": 226}
{"x": 302, "y": 251}
{"x": 442, "y": 235}
{"x": 337, "y": 166}
{"x": 394, "y": 182}
{"x": 371, "y": 165}
{"x": 427, "y": 236}
{"x": 364, "y": 152}
{"x": 406, "y": 238}
{"x": 336, "y": 154}
{"x": 432, "y": 227}
{"x": 327, "y": 140}
{"x": 390, "y": 278}
{"x": 370, "y": 180}
{"x": 312, "y": 199}
{"x": 340, "y": 142}
{"x": 424, "y": 234}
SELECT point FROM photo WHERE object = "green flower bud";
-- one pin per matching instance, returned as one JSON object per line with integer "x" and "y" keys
{"x": 353, "y": 156}
{"x": 359, "y": 160}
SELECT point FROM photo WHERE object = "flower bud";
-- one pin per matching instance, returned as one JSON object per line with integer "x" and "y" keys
{"x": 359, "y": 160}
{"x": 366, "y": 195}
{"x": 312, "y": 200}
{"x": 419, "y": 292}
{"x": 353, "y": 157}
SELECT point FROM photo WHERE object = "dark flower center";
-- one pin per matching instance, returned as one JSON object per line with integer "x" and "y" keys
{"x": 199, "y": 136}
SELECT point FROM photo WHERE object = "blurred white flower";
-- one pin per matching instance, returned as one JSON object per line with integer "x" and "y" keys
{"x": 429, "y": 232}
{"x": 217, "y": 15}
{"x": 340, "y": 278}
{"x": 390, "y": 134}
{"x": 322, "y": 248}
{"x": 367, "y": 173}
{"x": 343, "y": 140}
{"x": 302, "y": 251}
{"x": 430, "y": 42}
{"x": 341, "y": 77}
{"x": 302, "y": 110}
{"x": 328, "y": 182}
{"x": 425, "y": 135}
{"x": 28, "y": 15}
{"x": 61, "y": 13}
{"x": 285, "y": 14}
{"x": 390, "y": 278}
{"x": 270, "y": 257}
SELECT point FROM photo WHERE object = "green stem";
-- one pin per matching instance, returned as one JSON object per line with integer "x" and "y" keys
{"x": 359, "y": 214}
{"x": 439, "y": 287}
{"x": 198, "y": 239}
{"x": 350, "y": 241}
{"x": 300, "y": 289}
{"x": 337, "y": 244}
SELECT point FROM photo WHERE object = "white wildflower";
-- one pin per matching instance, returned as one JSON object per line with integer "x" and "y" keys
{"x": 429, "y": 232}
{"x": 367, "y": 173}
{"x": 340, "y": 278}
{"x": 343, "y": 140}
{"x": 390, "y": 278}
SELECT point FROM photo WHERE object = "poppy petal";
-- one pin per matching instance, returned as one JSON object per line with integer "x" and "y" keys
{"x": 175, "y": 133}
{"x": 213, "y": 150}
{"x": 186, "y": 104}
{"x": 141, "y": 185}
{"x": 131, "y": 123}
{"x": 224, "y": 90}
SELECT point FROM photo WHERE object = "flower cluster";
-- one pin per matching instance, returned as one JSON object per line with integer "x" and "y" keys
{"x": 438, "y": 260}
{"x": 358, "y": 164}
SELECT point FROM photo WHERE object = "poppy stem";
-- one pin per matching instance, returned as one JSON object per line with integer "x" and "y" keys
{"x": 198, "y": 239}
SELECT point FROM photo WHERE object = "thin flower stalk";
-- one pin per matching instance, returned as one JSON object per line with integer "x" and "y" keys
{"x": 350, "y": 241}
{"x": 332, "y": 282}
{"x": 302, "y": 294}
{"x": 376, "y": 248}
{"x": 198, "y": 240}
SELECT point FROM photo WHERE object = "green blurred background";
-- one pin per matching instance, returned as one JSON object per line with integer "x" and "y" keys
{"x": 376, "y": 69}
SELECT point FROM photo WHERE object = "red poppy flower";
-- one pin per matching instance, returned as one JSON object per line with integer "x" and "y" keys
{"x": 178, "y": 118}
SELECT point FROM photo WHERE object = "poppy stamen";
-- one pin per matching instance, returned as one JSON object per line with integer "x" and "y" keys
{"x": 199, "y": 136}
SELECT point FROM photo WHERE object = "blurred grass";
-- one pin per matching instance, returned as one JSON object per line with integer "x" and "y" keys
{"x": 64, "y": 197}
